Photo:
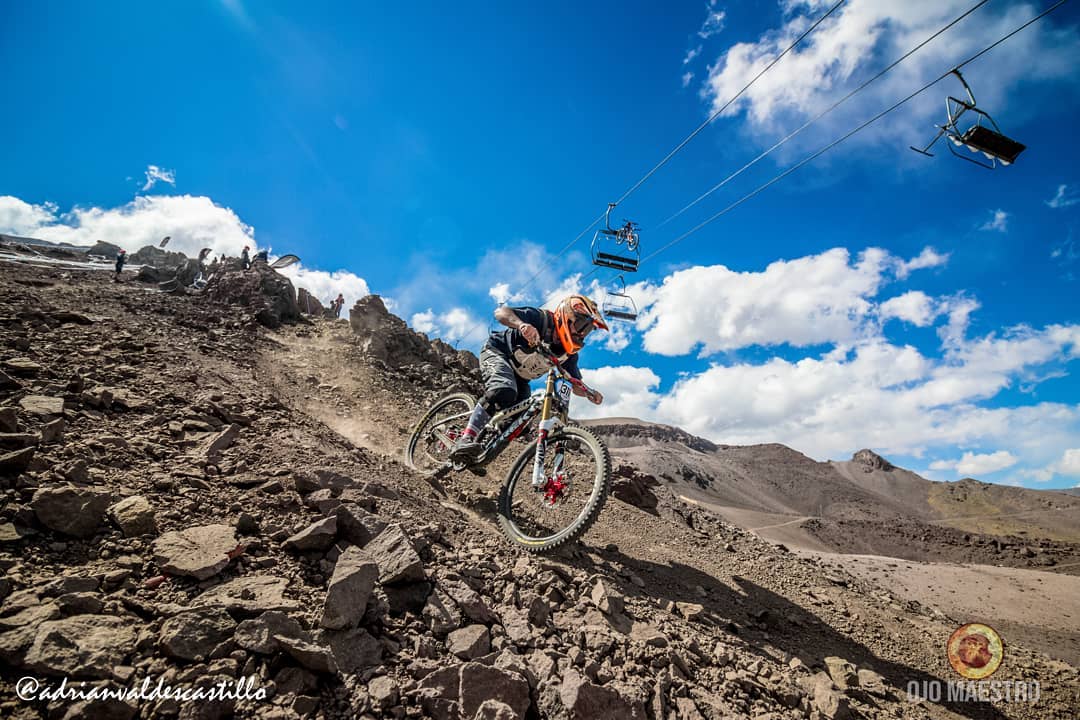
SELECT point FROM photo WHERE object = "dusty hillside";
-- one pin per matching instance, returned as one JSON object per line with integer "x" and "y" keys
{"x": 864, "y": 505}
{"x": 191, "y": 497}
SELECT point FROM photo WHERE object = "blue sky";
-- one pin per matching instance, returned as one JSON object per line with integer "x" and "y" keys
{"x": 441, "y": 155}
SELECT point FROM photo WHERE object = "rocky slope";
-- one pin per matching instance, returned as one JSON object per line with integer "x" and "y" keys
{"x": 173, "y": 510}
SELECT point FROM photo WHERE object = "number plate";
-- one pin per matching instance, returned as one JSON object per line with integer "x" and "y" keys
{"x": 563, "y": 390}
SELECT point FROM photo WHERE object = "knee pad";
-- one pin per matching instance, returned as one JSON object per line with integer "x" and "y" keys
{"x": 498, "y": 398}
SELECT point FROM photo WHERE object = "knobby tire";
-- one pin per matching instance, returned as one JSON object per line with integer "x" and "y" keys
{"x": 521, "y": 472}
{"x": 419, "y": 431}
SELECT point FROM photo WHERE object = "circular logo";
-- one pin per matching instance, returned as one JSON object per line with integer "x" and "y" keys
{"x": 975, "y": 651}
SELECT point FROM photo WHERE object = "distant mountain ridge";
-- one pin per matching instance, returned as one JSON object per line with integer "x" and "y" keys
{"x": 789, "y": 497}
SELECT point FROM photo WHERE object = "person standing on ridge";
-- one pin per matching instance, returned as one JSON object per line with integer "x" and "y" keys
{"x": 245, "y": 260}
{"x": 510, "y": 359}
{"x": 337, "y": 304}
{"x": 121, "y": 258}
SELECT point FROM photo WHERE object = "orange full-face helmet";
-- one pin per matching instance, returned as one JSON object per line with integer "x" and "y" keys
{"x": 575, "y": 317}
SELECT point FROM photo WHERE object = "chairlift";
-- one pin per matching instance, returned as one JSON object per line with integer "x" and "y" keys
{"x": 285, "y": 261}
{"x": 978, "y": 138}
{"x": 616, "y": 248}
{"x": 618, "y": 304}
{"x": 164, "y": 241}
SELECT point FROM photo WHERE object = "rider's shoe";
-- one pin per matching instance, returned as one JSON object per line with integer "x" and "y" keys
{"x": 466, "y": 450}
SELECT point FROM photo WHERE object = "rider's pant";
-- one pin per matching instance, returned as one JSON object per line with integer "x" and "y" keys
{"x": 502, "y": 386}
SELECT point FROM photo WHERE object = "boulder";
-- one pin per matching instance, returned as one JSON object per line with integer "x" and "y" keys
{"x": 194, "y": 635}
{"x": 15, "y": 462}
{"x": 472, "y": 605}
{"x": 257, "y": 634}
{"x": 357, "y": 525}
{"x": 265, "y": 293}
{"x": 605, "y": 597}
{"x": 317, "y": 536}
{"x": 355, "y": 650}
{"x": 9, "y": 419}
{"x": 71, "y": 510}
{"x": 308, "y": 304}
{"x": 480, "y": 683}
{"x": 248, "y": 595}
{"x": 384, "y": 692}
{"x": 388, "y": 338}
{"x": 350, "y": 587}
{"x": 82, "y": 646}
{"x": 314, "y": 657}
{"x": 45, "y": 406}
{"x": 22, "y": 367}
{"x": 134, "y": 516}
{"x": 585, "y": 700}
{"x": 52, "y": 431}
{"x": 841, "y": 672}
{"x": 441, "y": 614}
{"x": 398, "y": 561}
{"x": 469, "y": 642}
{"x": 199, "y": 552}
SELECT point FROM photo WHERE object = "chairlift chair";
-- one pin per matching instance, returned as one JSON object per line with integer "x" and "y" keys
{"x": 616, "y": 248}
{"x": 618, "y": 304}
{"x": 978, "y": 138}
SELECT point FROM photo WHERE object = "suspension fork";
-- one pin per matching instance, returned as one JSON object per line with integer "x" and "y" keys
{"x": 547, "y": 423}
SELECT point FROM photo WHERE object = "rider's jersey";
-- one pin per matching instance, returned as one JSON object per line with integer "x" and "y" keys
{"x": 528, "y": 363}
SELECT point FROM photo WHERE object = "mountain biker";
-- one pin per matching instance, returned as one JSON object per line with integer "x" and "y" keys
{"x": 510, "y": 359}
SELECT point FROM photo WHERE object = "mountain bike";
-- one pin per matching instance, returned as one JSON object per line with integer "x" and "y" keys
{"x": 555, "y": 489}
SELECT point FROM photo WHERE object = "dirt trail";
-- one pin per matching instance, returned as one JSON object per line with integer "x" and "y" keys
{"x": 322, "y": 374}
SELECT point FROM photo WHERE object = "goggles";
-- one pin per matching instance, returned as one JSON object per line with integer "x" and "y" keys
{"x": 583, "y": 324}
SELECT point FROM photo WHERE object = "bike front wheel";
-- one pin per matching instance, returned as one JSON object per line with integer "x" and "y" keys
{"x": 575, "y": 480}
{"x": 428, "y": 450}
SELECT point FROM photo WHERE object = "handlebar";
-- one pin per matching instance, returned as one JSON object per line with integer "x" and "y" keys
{"x": 553, "y": 359}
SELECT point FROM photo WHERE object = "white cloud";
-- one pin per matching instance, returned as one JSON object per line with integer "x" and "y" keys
{"x": 154, "y": 174}
{"x": 194, "y": 222}
{"x": 617, "y": 338}
{"x": 1064, "y": 197}
{"x": 714, "y": 23}
{"x": 928, "y": 258}
{"x": 424, "y": 322}
{"x": 691, "y": 54}
{"x": 959, "y": 310}
{"x": 1069, "y": 464}
{"x": 18, "y": 217}
{"x": 875, "y": 394}
{"x": 628, "y": 392}
{"x": 825, "y": 298}
{"x": 686, "y": 78}
{"x": 500, "y": 292}
{"x": 998, "y": 222}
{"x": 326, "y": 285}
{"x": 451, "y": 326}
{"x": 974, "y": 465}
{"x": 862, "y": 37}
{"x": 915, "y": 307}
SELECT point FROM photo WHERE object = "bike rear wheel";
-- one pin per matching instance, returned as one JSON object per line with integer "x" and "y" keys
{"x": 577, "y": 475}
{"x": 428, "y": 450}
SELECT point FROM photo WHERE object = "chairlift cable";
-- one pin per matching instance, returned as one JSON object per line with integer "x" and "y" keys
{"x": 725, "y": 106}
{"x": 844, "y": 137}
{"x": 810, "y": 122}
{"x": 528, "y": 283}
